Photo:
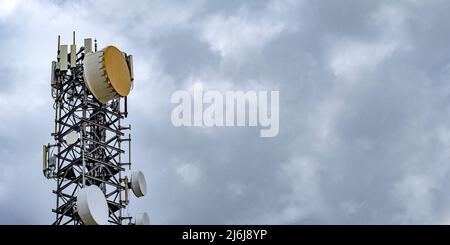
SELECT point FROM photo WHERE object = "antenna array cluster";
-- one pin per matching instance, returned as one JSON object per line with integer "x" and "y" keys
{"x": 92, "y": 148}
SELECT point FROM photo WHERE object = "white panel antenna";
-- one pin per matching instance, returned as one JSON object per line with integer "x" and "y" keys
{"x": 73, "y": 53}
{"x": 63, "y": 57}
{"x": 88, "y": 45}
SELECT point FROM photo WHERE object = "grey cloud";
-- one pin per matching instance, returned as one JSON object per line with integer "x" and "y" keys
{"x": 363, "y": 89}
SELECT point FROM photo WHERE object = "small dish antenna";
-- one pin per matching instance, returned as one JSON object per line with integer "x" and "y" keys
{"x": 72, "y": 137}
{"x": 142, "y": 219}
{"x": 92, "y": 206}
{"x": 138, "y": 183}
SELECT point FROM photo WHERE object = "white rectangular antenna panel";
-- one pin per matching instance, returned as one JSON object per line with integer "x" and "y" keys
{"x": 73, "y": 56}
{"x": 88, "y": 45}
{"x": 130, "y": 66}
{"x": 63, "y": 57}
{"x": 53, "y": 76}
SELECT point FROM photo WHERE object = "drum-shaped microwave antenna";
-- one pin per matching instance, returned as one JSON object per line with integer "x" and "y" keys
{"x": 106, "y": 74}
{"x": 142, "y": 219}
{"x": 138, "y": 183}
{"x": 92, "y": 206}
{"x": 72, "y": 137}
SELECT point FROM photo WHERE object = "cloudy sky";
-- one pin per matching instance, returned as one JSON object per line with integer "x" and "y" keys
{"x": 364, "y": 108}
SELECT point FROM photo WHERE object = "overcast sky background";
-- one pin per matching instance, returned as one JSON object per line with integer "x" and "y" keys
{"x": 364, "y": 108}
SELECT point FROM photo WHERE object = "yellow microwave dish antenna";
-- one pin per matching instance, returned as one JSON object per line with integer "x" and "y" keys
{"x": 106, "y": 74}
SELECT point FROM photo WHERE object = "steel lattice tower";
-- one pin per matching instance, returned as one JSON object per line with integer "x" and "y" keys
{"x": 99, "y": 153}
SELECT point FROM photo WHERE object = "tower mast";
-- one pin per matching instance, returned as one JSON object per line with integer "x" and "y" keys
{"x": 91, "y": 149}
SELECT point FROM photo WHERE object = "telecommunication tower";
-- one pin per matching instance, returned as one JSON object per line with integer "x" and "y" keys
{"x": 92, "y": 148}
